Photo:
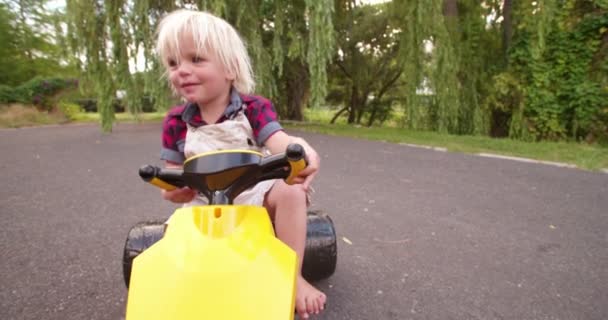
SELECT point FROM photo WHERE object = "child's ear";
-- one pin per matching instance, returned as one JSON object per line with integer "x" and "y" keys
{"x": 230, "y": 75}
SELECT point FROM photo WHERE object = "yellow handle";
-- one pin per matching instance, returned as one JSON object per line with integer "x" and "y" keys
{"x": 162, "y": 184}
{"x": 296, "y": 167}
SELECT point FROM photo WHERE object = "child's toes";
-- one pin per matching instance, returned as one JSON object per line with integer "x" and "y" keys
{"x": 301, "y": 308}
{"x": 321, "y": 302}
{"x": 311, "y": 304}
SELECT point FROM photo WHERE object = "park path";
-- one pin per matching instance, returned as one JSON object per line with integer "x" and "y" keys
{"x": 422, "y": 234}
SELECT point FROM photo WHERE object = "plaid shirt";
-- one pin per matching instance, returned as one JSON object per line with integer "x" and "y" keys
{"x": 259, "y": 111}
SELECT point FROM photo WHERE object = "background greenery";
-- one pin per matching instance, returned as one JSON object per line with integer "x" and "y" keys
{"x": 528, "y": 71}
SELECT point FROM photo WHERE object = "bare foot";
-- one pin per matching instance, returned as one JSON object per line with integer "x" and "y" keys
{"x": 309, "y": 300}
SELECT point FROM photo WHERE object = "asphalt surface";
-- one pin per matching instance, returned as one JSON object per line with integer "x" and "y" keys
{"x": 422, "y": 234}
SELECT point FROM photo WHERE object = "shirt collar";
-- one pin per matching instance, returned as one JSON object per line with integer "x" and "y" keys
{"x": 234, "y": 106}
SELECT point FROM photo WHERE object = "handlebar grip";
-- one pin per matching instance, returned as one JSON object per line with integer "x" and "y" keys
{"x": 297, "y": 161}
{"x": 154, "y": 175}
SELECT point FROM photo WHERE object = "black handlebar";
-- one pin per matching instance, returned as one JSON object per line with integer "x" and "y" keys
{"x": 172, "y": 177}
{"x": 222, "y": 176}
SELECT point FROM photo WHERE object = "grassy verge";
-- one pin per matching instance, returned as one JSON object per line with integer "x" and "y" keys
{"x": 591, "y": 157}
{"x": 584, "y": 156}
{"x": 17, "y": 115}
{"x": 121, "y": 117}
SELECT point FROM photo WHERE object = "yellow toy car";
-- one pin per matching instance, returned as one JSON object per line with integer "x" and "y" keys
{"x": 222, "y": 261}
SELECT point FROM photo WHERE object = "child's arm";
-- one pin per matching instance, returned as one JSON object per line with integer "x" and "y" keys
{"x": 182, "y": 195}
{"x": 278, "y": 142}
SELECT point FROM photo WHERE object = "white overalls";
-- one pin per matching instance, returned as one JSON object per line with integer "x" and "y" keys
{"x": 235, "y": 133}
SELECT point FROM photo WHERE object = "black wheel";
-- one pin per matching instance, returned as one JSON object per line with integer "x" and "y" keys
{"x": 141, "y": 237}
{"x": 321, "y": 253}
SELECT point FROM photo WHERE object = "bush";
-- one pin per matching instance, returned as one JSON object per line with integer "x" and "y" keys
{"x": 7, "y": 94}
{"x": 147, "y": 104}
{"x": 90, "y": 104}
{"x": 40, "y": 91}
{"x": 118, "y": 105}
{"x": 37, "y": 91}
{"x": 70, "y": 110}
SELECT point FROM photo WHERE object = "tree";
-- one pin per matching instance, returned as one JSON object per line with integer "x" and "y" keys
{"x": 553, "y": 69}
{"x": 108, "y": 40}
{"x": 365, "y": 69}
{"x": 29, "y": 47}
{"x": 431, "y": 60}
{"x": 9, "y": 50}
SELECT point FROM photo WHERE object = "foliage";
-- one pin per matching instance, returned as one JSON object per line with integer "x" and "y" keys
{"x": 449, "y": 52}
{"x": 555, "y": 64}
{"x": 38, "y": 91}
{"x": 7, "y": 94}
{"x": 528, "y": 70}
{"x": 18, "y": 115}
{"x": 365, "y": 70}
{"x": 29, "y": 48}
{"x": 70, "y": 110}
{"x": 582, "y": 155}
{"x": 271, "y": 29}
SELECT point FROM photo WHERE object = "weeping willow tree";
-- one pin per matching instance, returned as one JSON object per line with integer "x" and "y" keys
{"x": 448, "y": 50}
{"x": 290, "y": 43}
{"x": 431, "y": 66}
{"x": 285, "y": 39}
{"x": 87, "y": 25}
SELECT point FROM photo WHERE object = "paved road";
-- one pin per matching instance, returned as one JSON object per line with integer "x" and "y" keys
{"x": 434, "y": 235}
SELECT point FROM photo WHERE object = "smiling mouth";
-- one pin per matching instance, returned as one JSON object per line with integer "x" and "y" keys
{"x": 186, "y": 85}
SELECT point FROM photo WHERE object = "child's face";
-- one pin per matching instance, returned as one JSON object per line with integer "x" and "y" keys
{"x": 197, "y": 77}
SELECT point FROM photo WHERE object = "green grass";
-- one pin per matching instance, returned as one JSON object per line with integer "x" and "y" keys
{"x": 17, "y": 116}
{"x": 121, "y": 117}
{"x": 591, "y": 157}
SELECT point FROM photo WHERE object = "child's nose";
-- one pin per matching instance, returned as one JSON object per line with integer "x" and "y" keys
{"x": 184, "y": 69}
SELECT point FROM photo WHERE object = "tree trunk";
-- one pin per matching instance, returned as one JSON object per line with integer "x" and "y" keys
{"x": 450, "y": 13}
{"x": 24, "y": 23}
{"x": 372, "y": 116}
{"x": 297, "y": 87}
{"x": 381, "y": 93}
{"x": 333, "y": 120}
{"x": 507, "y": 28}
{"x": 362, "y": 105}
{"x": 450, "y": 8}
{"x": 361, "y": 111}
{"x": 352, "y": 113}
{"x": 600, "y": 55}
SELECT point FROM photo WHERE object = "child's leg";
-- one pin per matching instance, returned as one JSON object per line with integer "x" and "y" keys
{"x": 287, "y": 206}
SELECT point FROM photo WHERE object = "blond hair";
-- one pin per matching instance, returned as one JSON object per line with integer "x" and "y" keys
{"x": 208, "y": 33}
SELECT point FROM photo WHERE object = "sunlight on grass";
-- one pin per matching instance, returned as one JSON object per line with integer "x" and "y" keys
{"x": 585, "y": 156}
{"x": 122, "y": 117}
{"x": 17, "y": 115}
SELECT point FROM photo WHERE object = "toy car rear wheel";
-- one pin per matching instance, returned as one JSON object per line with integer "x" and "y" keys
{"x": 141, "y": 236}
{"x": 321, "y": 253}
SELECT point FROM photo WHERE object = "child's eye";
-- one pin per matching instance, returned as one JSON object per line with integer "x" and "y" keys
{"x": 172, "y": 63}
{"x": 197, "y": 59}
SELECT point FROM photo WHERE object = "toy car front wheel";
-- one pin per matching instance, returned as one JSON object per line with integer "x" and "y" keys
{"x": 321, "y": 253}
{"x": 141, "y": 236}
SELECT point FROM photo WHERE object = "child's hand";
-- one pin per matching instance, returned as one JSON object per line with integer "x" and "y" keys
{"x": 182, "y": 195}
{"x": 308, "y": 174}
{"x": 279, "y": 141}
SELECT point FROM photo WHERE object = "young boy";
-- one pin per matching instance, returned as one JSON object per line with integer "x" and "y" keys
{"x": 208, "y": 66}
